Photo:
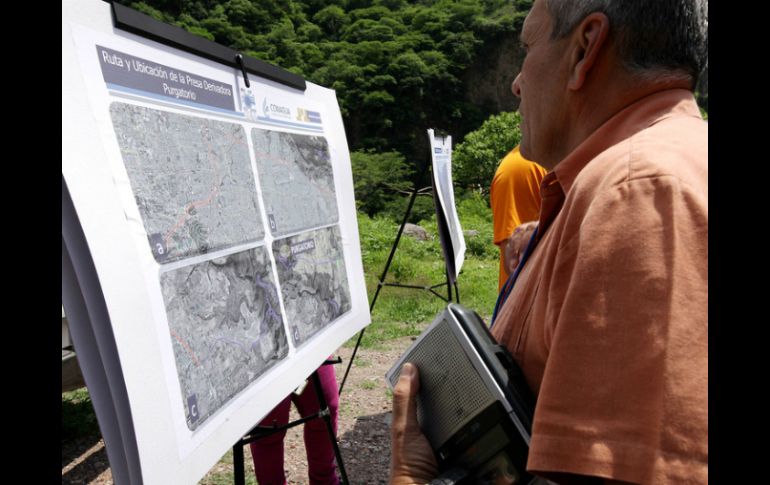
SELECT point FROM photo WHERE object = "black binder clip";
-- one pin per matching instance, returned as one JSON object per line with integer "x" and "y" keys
{"x": 239, "y": 60}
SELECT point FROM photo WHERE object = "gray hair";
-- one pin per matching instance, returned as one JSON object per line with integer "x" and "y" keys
{"x": 657, "y": 37}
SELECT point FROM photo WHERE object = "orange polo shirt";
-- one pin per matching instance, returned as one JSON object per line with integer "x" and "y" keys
{"x": 514, "y": 197}
{"x": 608, "y": 318}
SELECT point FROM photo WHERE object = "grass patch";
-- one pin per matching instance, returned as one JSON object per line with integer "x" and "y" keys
{"x": 225, "y": 475}
{"x": 402, "y": 312}
{"x": 368, "y": 384}
{"x": 77, "y": 415}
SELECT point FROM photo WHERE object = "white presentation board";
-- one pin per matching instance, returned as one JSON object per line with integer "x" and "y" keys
{"x": 221, "y": 224}
{"x": 441, "y": 157}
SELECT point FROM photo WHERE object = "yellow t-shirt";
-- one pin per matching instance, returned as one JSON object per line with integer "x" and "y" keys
{"x": 514, "y": 197}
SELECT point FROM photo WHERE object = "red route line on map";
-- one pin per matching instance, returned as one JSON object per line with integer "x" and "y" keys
{"x": 198, "y": 203}
{"x": 187, "y": 347}
{"x": 270, "y": 156}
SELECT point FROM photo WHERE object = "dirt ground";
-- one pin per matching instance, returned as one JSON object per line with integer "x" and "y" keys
{"x": 364, "y": 430}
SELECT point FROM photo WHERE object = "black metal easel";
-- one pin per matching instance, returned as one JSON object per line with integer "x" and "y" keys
{"x": 443, "y": 233}
{"x": 259, "y": 432}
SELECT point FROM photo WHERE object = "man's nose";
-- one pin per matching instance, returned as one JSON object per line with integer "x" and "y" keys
{"x": 516, "y": 87}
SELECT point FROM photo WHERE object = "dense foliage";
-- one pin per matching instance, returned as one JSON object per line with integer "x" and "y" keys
{"x": 379, "y": 178}
{"x": 475, "y": 160}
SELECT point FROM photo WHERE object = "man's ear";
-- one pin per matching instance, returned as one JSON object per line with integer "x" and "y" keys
{"x": 589, "y": 39}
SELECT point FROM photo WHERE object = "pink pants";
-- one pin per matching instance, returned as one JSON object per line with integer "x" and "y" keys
{"x": 268, "y": 452}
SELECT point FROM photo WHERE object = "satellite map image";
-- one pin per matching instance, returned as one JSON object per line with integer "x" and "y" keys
{"x": 295, "y": 173}
{"x": 226, "y": 327}
{"x": 314, "y": 284}
{"x": 192, "y": 180}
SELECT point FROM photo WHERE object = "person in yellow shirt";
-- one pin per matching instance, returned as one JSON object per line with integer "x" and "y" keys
{"x": 515, "y": 199}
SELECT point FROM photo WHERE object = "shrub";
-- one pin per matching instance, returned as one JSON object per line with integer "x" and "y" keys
{"x": 477, "y": 157}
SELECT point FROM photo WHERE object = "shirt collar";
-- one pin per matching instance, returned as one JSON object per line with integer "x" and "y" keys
{"x": 632, "y": 119}
{"x": 641, "y": 114}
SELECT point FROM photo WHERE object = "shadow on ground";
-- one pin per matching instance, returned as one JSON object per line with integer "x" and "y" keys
{"x": 80, "y": 433}
{"x": 366, "y": 449}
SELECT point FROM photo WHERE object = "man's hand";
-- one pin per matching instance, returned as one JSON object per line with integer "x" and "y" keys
{"x": 412, "y": 460}
{"x": 517, "y": 243}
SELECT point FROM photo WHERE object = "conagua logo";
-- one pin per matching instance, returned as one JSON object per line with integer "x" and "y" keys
{"x": 271, "y": 110}
{"x": 265, "y": 109}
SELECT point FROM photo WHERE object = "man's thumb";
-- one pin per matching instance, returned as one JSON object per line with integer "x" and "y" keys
{"x": 404, "y": 401}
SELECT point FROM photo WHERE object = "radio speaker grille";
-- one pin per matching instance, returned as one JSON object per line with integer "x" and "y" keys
{"x": 462, "y": 395}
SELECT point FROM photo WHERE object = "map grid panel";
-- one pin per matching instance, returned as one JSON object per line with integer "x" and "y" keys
{"x": 295, "y": 173}
{"x": 226, "y": 327}
{"x": 192, "y": 180}
{"x": 314, "y": 282}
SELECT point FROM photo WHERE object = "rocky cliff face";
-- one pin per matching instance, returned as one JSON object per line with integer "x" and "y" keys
{"x": 489, "y": 78}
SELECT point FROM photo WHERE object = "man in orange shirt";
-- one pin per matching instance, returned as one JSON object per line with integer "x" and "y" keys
{"x": 515, "y": 199}
{"x": 608, "y": 317}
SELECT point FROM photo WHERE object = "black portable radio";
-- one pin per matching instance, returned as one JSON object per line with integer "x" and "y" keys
{"x": 474, "y": 405}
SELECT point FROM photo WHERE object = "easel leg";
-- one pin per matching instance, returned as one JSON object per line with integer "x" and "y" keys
{"x": 352, "y": 357}
{"x": 448, "y": 288}
{"x": 324, "y": 413}
{"x": 384, "y": 273}
{"x": 238, "y": 467}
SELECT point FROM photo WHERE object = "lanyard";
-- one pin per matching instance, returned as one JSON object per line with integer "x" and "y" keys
{"x": 508, "y": 286}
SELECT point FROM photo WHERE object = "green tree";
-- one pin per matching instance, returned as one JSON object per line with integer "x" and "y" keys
{"x": 156, "y": 13}
{"x": 332, "y": 20}
{"x": 477, "y": 157}
{"x": 379, "y": 179}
